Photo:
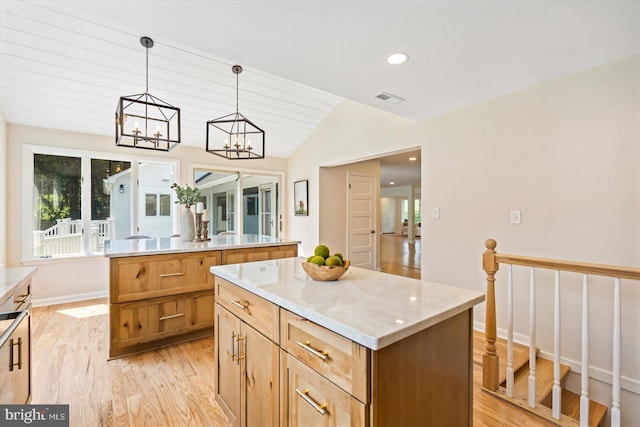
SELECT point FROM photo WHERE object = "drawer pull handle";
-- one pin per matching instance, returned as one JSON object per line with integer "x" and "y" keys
{"x": 171, "y": 274}
{"x": 173, "y": 316}
{"x": 305, "y": 395}
{"x": 233, "y": 346}
{"x": 240, "y": 305}
{"x": 11, "y": 345}
{"x": 240, "y": 338}
{"x": 321, "y": 354}
{"x": 23, "y": 299}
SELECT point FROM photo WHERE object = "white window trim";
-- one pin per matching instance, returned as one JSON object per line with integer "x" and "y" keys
{"x": 29, "y": 150}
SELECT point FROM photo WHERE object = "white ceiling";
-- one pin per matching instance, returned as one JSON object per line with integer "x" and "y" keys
{"x": 64, "y": 64}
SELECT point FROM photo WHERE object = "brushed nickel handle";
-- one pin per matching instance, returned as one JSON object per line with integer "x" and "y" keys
{"x": 305, "y": 395}
{"x": 240, "y": 305}
{"x": 321, "y": 354}
{"x": 173, "y": 316}
{"x": 171, "y": 274}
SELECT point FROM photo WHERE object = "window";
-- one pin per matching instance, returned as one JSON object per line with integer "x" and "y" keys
{"x": 416, "y": 210}
{"x": 165, "y": 204}
{"x": 81, "y": 199}
{"x": 255, "y": 195}
{"x": 151, "y": 204}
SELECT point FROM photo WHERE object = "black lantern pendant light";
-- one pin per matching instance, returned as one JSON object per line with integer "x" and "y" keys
{"x": 144, "y": 121}
{"x": 235, "y": 137}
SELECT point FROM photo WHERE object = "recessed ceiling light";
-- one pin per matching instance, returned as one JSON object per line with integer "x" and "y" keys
{"x": 413, "y": 159}
{"x": 392, "y": 183}
{"x": 397, "y": 58}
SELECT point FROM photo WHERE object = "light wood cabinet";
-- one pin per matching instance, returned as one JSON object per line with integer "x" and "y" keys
{"x": 157, "y": 300}
{"x": 15, "y": 364}
{"x": 329, "y": 380}
{"x": 247, "y": 372}
{"x": 309, "y": 399}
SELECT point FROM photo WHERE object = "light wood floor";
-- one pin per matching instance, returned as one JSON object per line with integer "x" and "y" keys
{"x": 398, "y": 256}
{"x": 172, "y": 386}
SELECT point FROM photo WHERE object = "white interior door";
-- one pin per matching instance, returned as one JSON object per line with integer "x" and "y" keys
{"x": 361, "y": 210}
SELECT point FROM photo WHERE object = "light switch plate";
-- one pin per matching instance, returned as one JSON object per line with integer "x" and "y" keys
{"x": 515, "y": 217}
{"x": 435, "y": 213}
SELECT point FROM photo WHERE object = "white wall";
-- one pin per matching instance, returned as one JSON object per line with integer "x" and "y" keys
{"x": 351, "y": 132}
{"x": 564, "y": 152}
{"x": 53, "y": 283}
{"x": 3, "y": 190}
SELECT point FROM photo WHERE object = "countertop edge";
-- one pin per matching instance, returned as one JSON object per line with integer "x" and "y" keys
{"x": 346, "y": 331}
{"x": 10, "y": 287}
{"x": 199, "y": 249}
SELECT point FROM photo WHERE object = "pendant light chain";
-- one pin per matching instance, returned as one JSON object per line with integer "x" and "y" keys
{"x": 147, "y": 82}
{"x": 237, "y": 108}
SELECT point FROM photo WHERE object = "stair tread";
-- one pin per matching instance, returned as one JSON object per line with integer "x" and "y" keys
{"x": 544, "y": 379}
{"x": 570, "y": 406}
{"x": 520, "y": 354}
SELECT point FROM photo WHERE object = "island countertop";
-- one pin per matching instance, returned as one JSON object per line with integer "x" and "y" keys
{"x": 11, "y": 277}
{"x": 168, "y": 245}
{"x": 372, "y": 308}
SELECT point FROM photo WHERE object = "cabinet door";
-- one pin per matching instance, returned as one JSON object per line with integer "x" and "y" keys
{"x": 261, "y": 378}
{"x": 15, "y": 366}
{"x": 228, "y": 369}
{"x": 311, "y": 400}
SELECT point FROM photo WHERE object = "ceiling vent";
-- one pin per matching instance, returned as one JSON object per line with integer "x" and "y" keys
{"x": 391, "y": 99}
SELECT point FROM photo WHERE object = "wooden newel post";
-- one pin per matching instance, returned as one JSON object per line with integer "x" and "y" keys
{"x": 490, "y": 360}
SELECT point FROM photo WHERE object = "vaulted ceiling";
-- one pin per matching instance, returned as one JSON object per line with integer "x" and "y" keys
{"x": 64, "y": 64}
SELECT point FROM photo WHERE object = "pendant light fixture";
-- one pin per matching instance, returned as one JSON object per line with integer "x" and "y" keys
{"x": 233, "y": 136}
{"x": 144, "y": 121}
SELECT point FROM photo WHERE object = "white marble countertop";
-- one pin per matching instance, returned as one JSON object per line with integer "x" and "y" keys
{"x": 371, "y": 308}
{"x": 167, "y": 245}
{"x": 11, "y": 277}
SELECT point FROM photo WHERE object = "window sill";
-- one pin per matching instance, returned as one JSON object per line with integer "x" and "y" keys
{"x": 61, "y": 259}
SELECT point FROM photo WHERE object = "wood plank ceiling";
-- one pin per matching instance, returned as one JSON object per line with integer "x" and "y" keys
{"x": 61, "y": 70}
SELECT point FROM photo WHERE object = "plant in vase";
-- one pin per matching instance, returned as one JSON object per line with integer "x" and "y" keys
{"x": 187, "y": 196}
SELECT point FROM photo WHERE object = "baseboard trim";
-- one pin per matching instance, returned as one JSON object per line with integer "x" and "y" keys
{"x": 40, "y": 302}
{"x": 629, "y": 384}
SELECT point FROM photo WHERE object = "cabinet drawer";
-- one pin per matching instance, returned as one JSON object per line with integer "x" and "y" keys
{"x": 309, "y": 399}
{"x": 339, "y": 359}
{"x": 22, "y": 296}
{"x": 257, "y": 312}
{"x": 136, "y": 278}
{"x": 235, "y": 256}
{"x": 138, "y": 323}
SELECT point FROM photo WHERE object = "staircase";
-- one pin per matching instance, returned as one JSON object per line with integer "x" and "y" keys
{"x": 544, "y": 383}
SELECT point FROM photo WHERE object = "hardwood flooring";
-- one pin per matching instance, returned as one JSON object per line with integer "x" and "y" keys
{"x": 398, "y": 256}
{"x": 172, "y": 386}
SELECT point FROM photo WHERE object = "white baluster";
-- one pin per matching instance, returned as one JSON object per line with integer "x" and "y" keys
{"x": 584, "y": 380}
{"x": 510, "y": 333}
{"x": 532, "y": 340}
{"x": 556, "y": 391}
{"x": 615, "y": 406}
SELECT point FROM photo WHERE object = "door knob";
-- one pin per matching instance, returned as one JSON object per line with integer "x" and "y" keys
{"x": 373, "y": 231}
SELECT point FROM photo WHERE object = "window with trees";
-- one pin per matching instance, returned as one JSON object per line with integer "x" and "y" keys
{"x": 81, "y": 199}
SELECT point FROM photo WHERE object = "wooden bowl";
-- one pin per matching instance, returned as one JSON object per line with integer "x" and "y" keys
{"x": 325, "y": 273}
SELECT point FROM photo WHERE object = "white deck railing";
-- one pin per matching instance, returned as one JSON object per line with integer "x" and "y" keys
{"x": 491, "y": 262}
{"x": 65, "y": 238}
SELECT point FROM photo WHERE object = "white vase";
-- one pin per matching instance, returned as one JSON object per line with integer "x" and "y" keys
{"x": 187, "y": 226}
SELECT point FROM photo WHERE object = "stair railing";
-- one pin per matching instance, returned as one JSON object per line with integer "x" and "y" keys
{"x": 491, "y": 263}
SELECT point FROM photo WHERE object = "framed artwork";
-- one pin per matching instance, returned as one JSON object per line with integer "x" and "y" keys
{"x": 301, "y": 198}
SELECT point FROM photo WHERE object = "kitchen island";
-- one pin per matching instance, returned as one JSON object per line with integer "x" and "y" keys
{"x": 370, "y": 349}
{"x": 161, "y": 290}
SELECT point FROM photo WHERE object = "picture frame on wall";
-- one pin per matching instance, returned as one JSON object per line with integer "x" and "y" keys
{"x": 301, "y": 198}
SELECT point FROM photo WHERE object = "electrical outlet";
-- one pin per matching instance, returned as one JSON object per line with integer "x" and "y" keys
{"x": 515, "y": 217}
{"x": 435, "y": 213}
